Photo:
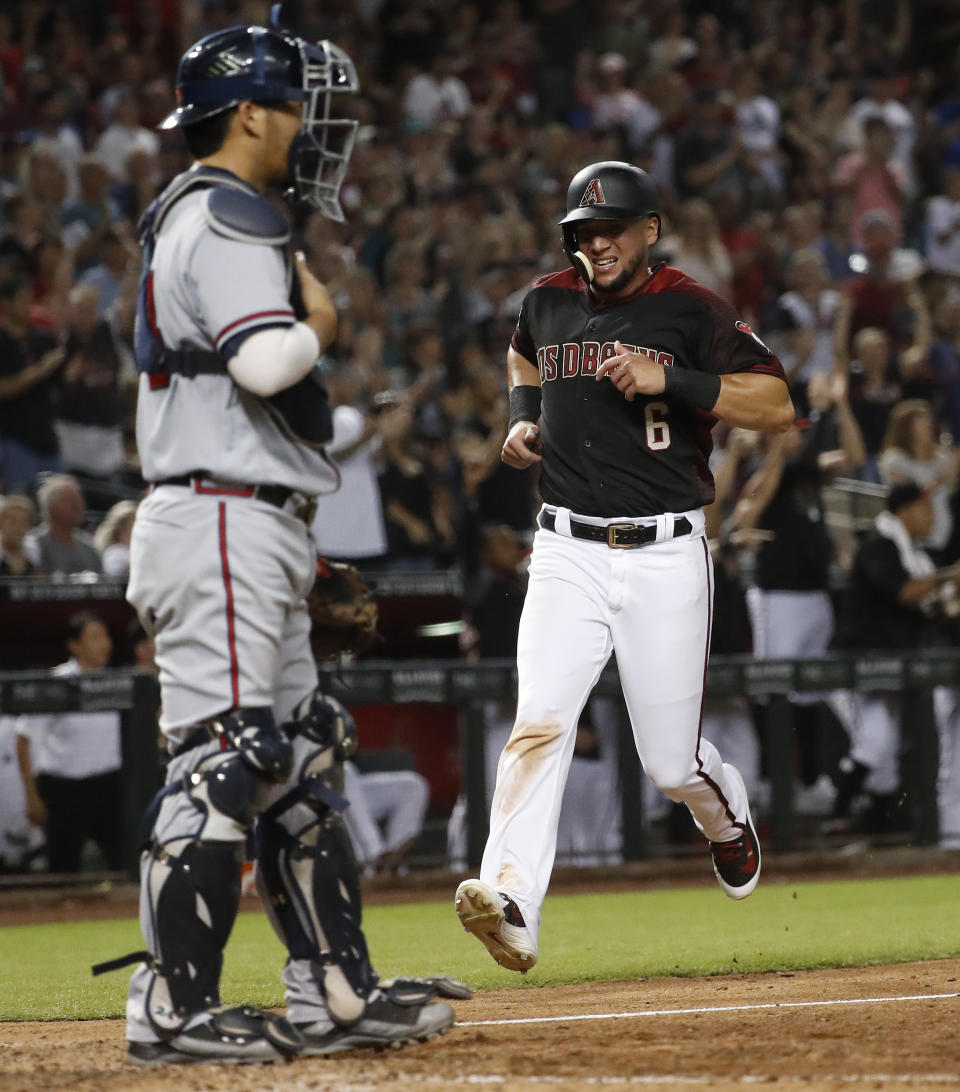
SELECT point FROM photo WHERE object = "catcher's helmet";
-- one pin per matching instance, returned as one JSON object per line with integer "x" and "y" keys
{"x": 609, "y": 190}
{"x": 267, "y": 64}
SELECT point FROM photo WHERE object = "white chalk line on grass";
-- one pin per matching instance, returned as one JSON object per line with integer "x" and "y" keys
{"x": 706, "y": 1009}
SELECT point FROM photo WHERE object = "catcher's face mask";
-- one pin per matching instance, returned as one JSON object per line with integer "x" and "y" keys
{"x": 320, "y": 152}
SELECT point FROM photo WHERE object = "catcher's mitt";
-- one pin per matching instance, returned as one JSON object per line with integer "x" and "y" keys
{"x": 342, "y": 609}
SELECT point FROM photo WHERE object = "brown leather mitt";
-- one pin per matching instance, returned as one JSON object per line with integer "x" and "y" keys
{"x": 342, "y": 610}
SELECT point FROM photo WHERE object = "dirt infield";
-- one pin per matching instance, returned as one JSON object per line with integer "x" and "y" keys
{"x": 810, "y": 1030}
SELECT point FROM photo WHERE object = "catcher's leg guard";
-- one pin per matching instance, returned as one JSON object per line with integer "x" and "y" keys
{"x": 307, "y": 875}
{"x": 190, "y": 872}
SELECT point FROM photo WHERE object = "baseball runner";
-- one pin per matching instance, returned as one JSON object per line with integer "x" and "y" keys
{"x": 617, "y": 373}
{"x": 231, "y": 424}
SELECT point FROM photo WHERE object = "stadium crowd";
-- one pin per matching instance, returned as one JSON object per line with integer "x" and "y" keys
{"x": 816, "y": 187}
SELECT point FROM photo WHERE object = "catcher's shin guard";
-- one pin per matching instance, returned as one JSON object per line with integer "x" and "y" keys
{"x": 190, "y": 870}
{"x": 189, "y": 898}
{"x": 307, "y": 875}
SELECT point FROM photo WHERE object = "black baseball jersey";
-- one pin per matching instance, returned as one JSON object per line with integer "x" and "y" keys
{"x": 872, "y": 614}
{"x": 605, "y": 456}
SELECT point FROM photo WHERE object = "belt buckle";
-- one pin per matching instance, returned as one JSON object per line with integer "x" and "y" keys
{"x": 612, "y": 531}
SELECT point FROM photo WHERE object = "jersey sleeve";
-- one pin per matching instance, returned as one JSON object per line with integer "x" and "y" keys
{"x": 727, "y": 344}
{"x": 522, "y": 340}
{"x": 239, "y": 287}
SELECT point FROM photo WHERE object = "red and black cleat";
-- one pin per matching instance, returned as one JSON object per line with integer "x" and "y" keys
{"x": 737, "y": 863}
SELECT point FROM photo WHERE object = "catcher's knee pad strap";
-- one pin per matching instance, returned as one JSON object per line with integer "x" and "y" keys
{"x": 263, "y": 745}
{"x": 325, "y": 721}
{"x": 189, "y": 900}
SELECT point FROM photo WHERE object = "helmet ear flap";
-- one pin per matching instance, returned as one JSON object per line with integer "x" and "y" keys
{"x": 579, "y": 260}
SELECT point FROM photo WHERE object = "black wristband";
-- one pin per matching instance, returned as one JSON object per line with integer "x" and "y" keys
{"x": 524, "y": 404}
{"x": 699, "y": 389}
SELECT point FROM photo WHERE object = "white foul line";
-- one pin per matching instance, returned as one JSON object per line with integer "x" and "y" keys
{"x": 712, "y": 1008}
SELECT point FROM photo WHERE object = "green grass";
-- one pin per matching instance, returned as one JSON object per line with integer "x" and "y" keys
{"x": 44, "y": 969}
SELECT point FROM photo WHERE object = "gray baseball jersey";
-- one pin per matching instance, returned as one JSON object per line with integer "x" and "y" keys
{"x": 209, "y": 291}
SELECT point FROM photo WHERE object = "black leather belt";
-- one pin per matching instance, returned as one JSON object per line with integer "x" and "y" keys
{"x": 618, "y": 536}
{"x": 277, "y": 495}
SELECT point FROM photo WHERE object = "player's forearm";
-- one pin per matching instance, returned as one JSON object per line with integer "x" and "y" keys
{"x": 851, "y": 437}
{"x": 272, "y": 360}
{"x": 520, "y": 372}
{"x": 760, "y": 402}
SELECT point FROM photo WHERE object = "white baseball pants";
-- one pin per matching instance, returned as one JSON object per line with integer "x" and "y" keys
{"x": 652, "y": 606}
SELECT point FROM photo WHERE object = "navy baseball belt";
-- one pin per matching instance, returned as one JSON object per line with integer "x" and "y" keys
{"x": 618, "y": 536}
{"x": 279, "y": 496}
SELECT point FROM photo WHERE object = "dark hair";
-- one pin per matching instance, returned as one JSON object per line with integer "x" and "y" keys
{"x": 78, "y": 623}
{"x": 902, "y": 494}
{"x": 206, "y": 137}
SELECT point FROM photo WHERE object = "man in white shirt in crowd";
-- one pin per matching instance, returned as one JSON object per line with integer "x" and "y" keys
{"x": 70, "y": 763}
{"x": 349, "y": 523}
{"x": 943, "y": 224}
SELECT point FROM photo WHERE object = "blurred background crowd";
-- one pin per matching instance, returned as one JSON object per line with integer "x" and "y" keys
{"x": 808, "y": 157}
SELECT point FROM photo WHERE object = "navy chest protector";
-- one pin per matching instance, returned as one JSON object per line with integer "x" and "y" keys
{"x": 302, "y": 411}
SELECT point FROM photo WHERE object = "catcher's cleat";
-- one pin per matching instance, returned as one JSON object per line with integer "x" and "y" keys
{"x": 387, "y": 1022}
{"x": 496, "y": 921}
{"x": 737, "y": 863}
{"x": 233, "y": 1036}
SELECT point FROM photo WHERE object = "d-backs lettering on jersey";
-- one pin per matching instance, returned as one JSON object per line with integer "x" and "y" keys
{"x": 605, "y": 456}
{"x": 572, "y": 359}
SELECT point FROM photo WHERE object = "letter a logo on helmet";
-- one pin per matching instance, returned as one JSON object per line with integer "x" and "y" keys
{"x": 593, "y": 194}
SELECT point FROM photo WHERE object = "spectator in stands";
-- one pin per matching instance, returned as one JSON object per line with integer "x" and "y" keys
{"x": 117, "y": 253}
{"x": 436, "y": 95}
{"x": 874, "y": 390}
{"x": 943, "y": 225}
{"x": 415, "y": 540}
{"x": 912, "y": 451}
{"x": 58, "y": 545}
{"x": 89, "y": 410}
{"x": 606, "y": 92}
{"x": 17, "y": 516}
{"x": 710, "y": 157}
{"x": 882, "y": 104}
{"x": 885, "y": 295}
{"x": 30, "y": 367}
{"x": 349, "y": 523}
{"x": 874, "y": 180}
{"x": 70, "y": 763}
{"x": 758, "y": 130}
{"x": 124, "y": 136}
{"x": 698, "y": 250}
{"x": 943, "y": 363}
{"x": 807, "y": 315}
{"x": 894, "y": 596}
{"x": 112, "y": 540}
{"x": 87, "y": 220}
